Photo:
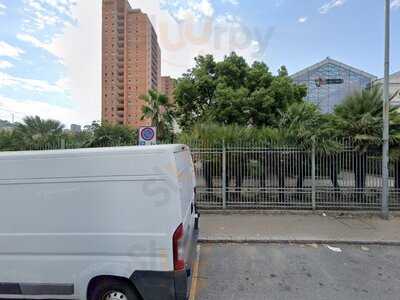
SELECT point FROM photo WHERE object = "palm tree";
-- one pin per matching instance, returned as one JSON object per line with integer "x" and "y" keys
{"x": 159, "y": 110}
{"x": 7, "y": 140}
{"x": 37, "y": 133}
{"x": 303, "y": 125}
{"x": 360, "y": 117}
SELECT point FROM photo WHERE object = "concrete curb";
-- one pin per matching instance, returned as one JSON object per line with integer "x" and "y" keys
{"x": 332, "y": 213}
{"x": 294, "y": 241}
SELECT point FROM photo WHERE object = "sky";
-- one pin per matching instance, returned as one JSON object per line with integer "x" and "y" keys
{"x": 50, "y": 50}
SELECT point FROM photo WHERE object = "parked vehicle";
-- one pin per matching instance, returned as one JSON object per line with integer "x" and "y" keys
{"x": 97, "y": 224}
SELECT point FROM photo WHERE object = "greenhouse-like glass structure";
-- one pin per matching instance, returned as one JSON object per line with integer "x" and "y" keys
{"x": 330, "y": 81}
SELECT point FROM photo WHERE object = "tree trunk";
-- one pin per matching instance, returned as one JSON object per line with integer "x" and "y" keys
{"x": 281, "y": 177}
{"x": 360, "y": 173}
{"x": 333, "y": 171}
{"x": 302, "y": 171}
{"x": 360, "y": 170}
{"x": 397, "y": 175}
{"x": 397, "y": 180}
{"x": 207, "y": 173}
{"x": 240, "y": 171}
{"x": 264, "y": 169}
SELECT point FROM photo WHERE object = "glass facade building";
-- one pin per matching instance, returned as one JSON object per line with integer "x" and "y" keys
{"x": 394, "y": 88}
{"x": 330, "y": 81}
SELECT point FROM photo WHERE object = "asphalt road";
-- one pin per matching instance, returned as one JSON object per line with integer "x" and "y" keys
{"x": 239, "y": 272}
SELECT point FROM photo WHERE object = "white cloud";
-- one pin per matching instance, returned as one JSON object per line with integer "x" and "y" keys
{"x": 183, "y": 40}
{"x": 23, "y": 108}
{"x": 187, "y": 9}
{"x": 9, "y": 50}
{"x": 79, "y": 46}
{"x": 205, "y": 7}
{"x": 395, "y": 4}
{"x": 2, "y": 8}
{"x": 43, "y": 13}
{"x": 34, "y": 41}
{"x": 233, "y": 2}
{"x": 7, "y": 80}
{"x": 5, "y": 64}
{"x": 302, "y": 19}
{"x": 324, "y": 9}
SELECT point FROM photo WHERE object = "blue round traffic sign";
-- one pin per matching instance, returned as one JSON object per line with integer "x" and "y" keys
{"x": 147, "y": 134}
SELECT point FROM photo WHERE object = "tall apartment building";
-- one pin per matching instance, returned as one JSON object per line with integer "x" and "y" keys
{"x": 167, "y": 87}
{"x": 131, "y": 62}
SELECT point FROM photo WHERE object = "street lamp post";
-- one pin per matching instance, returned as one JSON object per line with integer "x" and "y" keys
{"x": 385, "y": 156}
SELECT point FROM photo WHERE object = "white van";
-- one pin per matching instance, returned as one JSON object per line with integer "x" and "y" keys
{"x": 97, "y": 224}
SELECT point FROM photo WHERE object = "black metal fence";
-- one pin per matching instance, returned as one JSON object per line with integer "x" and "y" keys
{"x": 268, "y": 176}
{"x": 276, "y": 177}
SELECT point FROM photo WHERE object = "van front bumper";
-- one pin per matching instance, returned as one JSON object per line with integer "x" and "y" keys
{"x": 174, "y": 285}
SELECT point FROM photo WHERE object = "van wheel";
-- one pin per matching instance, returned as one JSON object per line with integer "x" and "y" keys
{"x": 112, "y": 289}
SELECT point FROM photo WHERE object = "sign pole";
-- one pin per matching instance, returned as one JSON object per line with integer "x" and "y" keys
{"x": 385, "y": 156}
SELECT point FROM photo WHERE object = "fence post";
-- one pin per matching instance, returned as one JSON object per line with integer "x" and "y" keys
{"x": 313, "y": 177}
{"x": 223, "y": 175}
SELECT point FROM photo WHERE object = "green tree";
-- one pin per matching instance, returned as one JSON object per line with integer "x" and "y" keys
{"x": 360, "y": 117}
{"x": 37, "y": 133}
{"x": 108, "y": 135}
{"x": 232, "y": 92}
{"x": 194, "y": 92}
{"x": 283, "y": 72}
{"x": 7, "y": 140}
{"x": 303, "y": 125}
{"x": 158, "y": 109}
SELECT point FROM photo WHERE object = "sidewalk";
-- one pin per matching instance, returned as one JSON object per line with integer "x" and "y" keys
{"x": 298, "y": 228}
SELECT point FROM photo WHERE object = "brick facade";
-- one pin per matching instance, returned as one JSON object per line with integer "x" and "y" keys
{"x": 131, "y": 63}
